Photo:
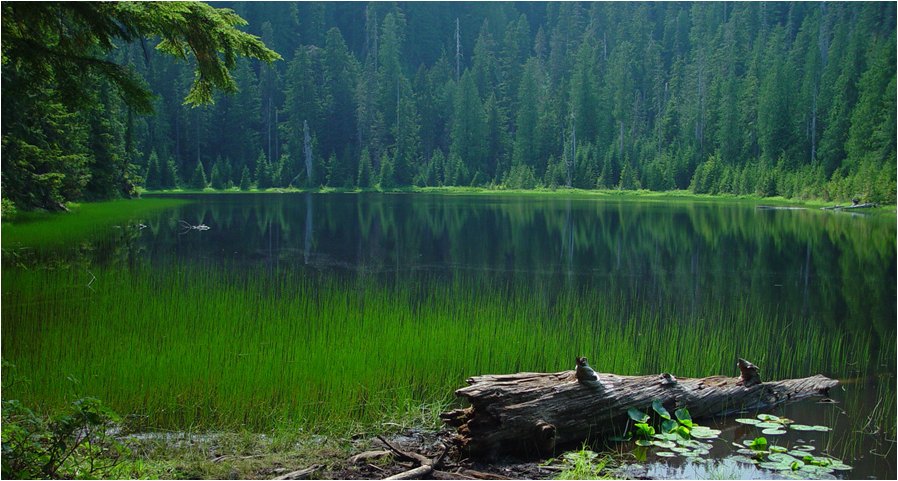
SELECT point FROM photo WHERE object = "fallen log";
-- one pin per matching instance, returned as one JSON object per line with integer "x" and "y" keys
{"x": 866, "y": 205}
{"x": 532, "y": 413}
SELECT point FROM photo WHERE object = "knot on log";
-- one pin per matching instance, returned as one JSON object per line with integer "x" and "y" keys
{"x": 750, "y": 376}
{"x": 456, "y": 417}
{"x": 667, "y": 379}
{"x": 546, "y": 434}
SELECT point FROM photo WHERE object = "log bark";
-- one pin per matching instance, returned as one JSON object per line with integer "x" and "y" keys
{"x": 532, "y": 413}
{"x": 867, "y": 205}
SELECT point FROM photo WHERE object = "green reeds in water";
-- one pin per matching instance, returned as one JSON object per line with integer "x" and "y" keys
{"x": 208, "y": 347}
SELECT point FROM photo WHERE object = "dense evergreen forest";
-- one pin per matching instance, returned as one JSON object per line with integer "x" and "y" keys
{"x": 792, "y": 99}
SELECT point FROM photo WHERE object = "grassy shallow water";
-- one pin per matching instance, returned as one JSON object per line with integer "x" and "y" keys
{"x": 205, "y": 347}
{"x": 36, "y": 229}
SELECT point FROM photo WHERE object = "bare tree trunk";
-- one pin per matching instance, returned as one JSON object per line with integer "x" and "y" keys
{"x": 814, "y": 127}
{"x": 307, "y": 150}
{"x": 457, "y": 51}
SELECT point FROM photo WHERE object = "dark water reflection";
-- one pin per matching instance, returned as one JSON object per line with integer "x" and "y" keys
{"x": 835, "y": 268}
{"x": 830, "y": 268}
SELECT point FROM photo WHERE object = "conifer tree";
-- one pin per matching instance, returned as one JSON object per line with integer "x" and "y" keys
{"x": 198, "y": 179}
{"x": 169, "y": 175}
{"x": 365, "y": 175}
{"x": 246, "y": 181}
{"x": 154, "y": 175}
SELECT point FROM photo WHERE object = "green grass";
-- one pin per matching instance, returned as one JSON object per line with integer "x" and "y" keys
{"x": 202, "y": 347}
{"x": 38, "y": 229}
{"x": 584, "y": 464}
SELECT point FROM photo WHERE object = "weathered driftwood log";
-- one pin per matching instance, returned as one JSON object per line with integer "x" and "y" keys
{"x": 532, "y": 413}
{"x": 866, "y": 205}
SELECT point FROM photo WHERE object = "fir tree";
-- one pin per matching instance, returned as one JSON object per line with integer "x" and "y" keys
{"x": 169, "y": 175}
{"x": 365, "y": 170}
{"x": 198, "y": 179}
{"x": 246, "y": 180}
{"x": 154, "y": 176}
{"x": 387, "y": 178}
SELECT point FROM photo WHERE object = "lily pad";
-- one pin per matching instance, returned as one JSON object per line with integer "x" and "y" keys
{"x": 643, "y": 442}
{"x": 637, "y": 415}
{"x": 773, "y": 432}
{"x": 778, "y": 449}
{"x": 702, "y": 432}
{"x": 680, "y": 449}
{"x": 839, "y": 465}
{"x": 800, "y": 454}
{"x": 781, "y": 458}
{"x": 817, "y": 470}
{"x": 748, "y": 452}
{"x": 768, "y": 417}
{"x": 747, "y": 421}
{"x": 768, "y": 425}
{"x": 803, "y": 447}
{"x": 693, "y": 444}
{"x": 759, "y": 442}
{"x": 817, "y": 461}
{"x": 666, "y": 454}
{"x": 684, "y": 417}
{"x": 659, "y": 408}
{"x": 776, "y": 466}
{"x": 669, "y": 425}
{"x": 664, "y": 444}
{"x": 802, "y": 427}
{"x": 667, "y": 436}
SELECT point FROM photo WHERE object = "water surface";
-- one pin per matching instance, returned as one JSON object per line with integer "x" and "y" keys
{"x": 638, "y": 285}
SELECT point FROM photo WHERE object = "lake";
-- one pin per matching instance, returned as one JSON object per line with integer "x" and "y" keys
{"x": 309, "y": 309}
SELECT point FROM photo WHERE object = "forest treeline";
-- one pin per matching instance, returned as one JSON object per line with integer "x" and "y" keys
{"x": 792, "y": 99}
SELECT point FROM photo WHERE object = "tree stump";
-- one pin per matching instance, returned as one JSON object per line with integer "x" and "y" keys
{"x": 532, "y": 413}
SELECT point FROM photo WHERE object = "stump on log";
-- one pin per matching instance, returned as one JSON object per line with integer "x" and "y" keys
{"x": 532, "y": 413}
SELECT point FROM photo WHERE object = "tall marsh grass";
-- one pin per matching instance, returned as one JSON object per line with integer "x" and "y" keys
{"x": 203, "y": 346}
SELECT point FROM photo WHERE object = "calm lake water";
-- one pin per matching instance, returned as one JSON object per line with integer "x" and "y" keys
{"x": 799, "y": 292}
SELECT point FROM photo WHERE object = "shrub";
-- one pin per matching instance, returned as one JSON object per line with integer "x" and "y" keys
{"x": 73, "y": 444}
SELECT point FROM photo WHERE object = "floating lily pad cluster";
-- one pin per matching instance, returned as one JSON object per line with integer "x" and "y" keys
{"x": 774, "y": 425}
{"x": 677, "y": 435}
{"x": 798, "y": 460}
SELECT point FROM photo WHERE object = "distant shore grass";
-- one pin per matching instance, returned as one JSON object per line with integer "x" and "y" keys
{"x": 560, "y": 192}
{"x": 201, "y": 347}
{"x": 596, "y": 194}
{"x": 35, "y": 229}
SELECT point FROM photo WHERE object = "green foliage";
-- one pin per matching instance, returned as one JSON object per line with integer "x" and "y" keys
{"x": 245, "y": 180}
{"x": 263, "y": 171}
{"x": 198, "y": 179}
{"x": 387, "y": 177}
{"x": 366, "y": 176}
{"x": 73, "y": 444}
{"x": 153, "y": 180}
{"x": 8, "y": 210}
{"x": 800, "y": 105}
{"x": 583, "y": 464}
{"x": 215, "y": 47}
{"x": 520, "y": 177}
{"x": 169, "y": 175}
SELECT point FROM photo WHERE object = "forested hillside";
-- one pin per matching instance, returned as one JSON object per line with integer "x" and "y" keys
{"x": 792, "y": 99}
